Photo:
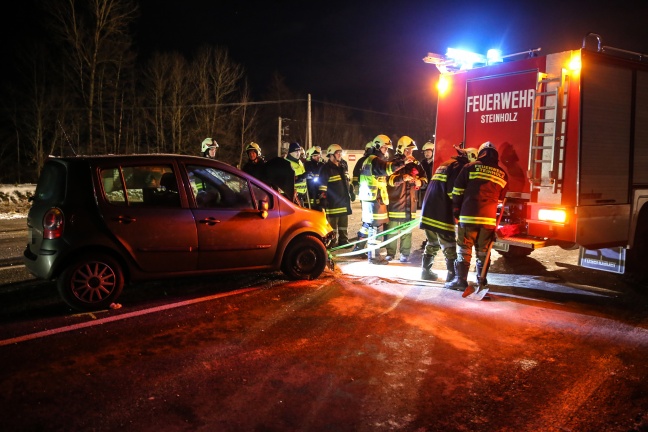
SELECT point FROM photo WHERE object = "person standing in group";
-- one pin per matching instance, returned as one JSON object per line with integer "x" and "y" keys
{"x": 373, "y": 192}
{"x": 477, "y": 191}
{"x": 334, "y": 193}
{"x": 254, "y": 165}
{"x": 301, "y": 188}
{"x": 437, "y": 219}
{"x": 208, "y": 148}
{"x": 355, "y": 183}
{"x": 427, "y": 162}
{"x": 402, "y": 187}
{"x": 312, "y": 166}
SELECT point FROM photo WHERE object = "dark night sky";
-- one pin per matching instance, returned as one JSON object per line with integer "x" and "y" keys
{"x": 359, "y": 53}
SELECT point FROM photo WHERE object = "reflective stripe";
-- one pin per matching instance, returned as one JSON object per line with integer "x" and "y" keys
{"x": 438, "y": 224}
{"x": 477, "y": 220}
{"x": 323, "y": 188}
{"x": 457, "y": 191}
{"x": 397, "y": 215}
{"x": 335, "y": 178}
{"x": 440, "y": 177}
{"x": 488, "y": 177}
{"x": 341, "y": 210}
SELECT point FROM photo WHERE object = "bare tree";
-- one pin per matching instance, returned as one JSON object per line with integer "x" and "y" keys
{"x": 95, "y": 33}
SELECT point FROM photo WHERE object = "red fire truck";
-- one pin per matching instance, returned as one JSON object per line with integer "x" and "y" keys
{"x": 571, "y": 130}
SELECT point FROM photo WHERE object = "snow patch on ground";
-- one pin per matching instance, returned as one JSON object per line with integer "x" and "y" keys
{"x": 14, "y": 202}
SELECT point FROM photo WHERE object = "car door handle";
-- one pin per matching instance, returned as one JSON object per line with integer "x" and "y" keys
{"x": 210, "y": 221}
{"x": 125, "y": 219}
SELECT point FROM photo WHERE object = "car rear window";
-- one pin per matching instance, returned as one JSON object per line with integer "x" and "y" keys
{"x": 51, "y": 183}
{"x": 145, "y": 186}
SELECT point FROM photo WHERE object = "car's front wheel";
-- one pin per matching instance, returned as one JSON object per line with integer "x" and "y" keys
{"x": 91, "y": 283}
{"x": 305, "y": 258}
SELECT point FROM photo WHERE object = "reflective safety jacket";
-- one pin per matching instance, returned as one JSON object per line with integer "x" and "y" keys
{"x": 373, "y": 178}
{"x": 436, "y": 213}
{"x": 402, "y": 193}
{"x": 300, "y": 175}
{"x": 478, "y": 189}
{"x": 334, "y": 187}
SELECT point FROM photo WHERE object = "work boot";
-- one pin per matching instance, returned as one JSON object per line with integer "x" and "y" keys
{"x": 451, "y": 269}
{"x": 479, "y": 266}
{"x": 426, "y": 268}
{"x": 360, "y": 246}
{"x": 460, "y": 281}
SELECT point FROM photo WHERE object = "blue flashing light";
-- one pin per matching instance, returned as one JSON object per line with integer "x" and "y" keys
{"x": 494, "y": 56}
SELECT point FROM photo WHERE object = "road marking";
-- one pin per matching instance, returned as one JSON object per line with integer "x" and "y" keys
{"x": 101, "y": 321}
{"x": 10, "y": 267}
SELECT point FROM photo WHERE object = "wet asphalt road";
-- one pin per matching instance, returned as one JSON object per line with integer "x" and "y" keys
{"x": 358, "y": 349}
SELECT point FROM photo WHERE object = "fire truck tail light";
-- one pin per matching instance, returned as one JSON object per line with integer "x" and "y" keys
{"x": 552, "y": 215}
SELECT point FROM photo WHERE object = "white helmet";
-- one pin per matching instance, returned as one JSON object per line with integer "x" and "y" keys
{"x": 208, "y": 143}
{"x": 405, "y": 142}
{"x": 383, "y": 141}
{"x": 253, "y": 147}
{"x": 313, "y": 151}
{"x": 428, "y": 146}
{"x": 486, "y": 145}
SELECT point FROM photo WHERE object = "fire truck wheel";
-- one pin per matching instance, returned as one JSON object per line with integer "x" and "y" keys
{"x": 569, "y": 246}
{"x": 516, "y": 252}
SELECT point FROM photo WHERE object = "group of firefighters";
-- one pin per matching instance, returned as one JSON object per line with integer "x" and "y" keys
{"x": 459, "y": 200}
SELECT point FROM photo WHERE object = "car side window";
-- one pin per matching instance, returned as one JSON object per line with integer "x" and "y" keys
{"x": 215, "y": 188}
{"x": 261, "y": 195}
{"x": 145, "y": 186}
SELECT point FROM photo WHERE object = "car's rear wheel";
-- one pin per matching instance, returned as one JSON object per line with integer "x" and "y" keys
{"x": 305, "y": 258}
{"x": 91, "y": 283}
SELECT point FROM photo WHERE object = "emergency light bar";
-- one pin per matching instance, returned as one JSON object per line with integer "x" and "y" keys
{"x": 457, "y": 59}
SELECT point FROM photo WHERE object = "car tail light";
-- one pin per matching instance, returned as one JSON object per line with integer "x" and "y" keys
{"x": 53, "y": 224}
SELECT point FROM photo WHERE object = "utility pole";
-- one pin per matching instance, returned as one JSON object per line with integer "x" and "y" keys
{"x": 309, "y": 126}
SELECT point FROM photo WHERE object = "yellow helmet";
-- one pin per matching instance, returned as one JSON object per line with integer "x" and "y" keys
{"x": 428, "y": 146}
{"x": 383, "y": 141}
{"x": 254, "y": 147}
{"x": 405, "y": 142}
{"x": 313, "y": 151}
{"x": 471, "y": 154}
{"x": 332, "y": 149}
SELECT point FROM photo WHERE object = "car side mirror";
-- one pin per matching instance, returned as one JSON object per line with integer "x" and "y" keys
{"x": 263, "y": 209}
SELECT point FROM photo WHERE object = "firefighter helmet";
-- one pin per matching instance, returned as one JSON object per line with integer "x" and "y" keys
{"x": 369, "y": 145}
{"x": 471, "y": 154}
{"x": 405, "y": 142}
{"x": 253, "y": 147}
{"x": 208, "y": 143}
{"x": 332, "y": 149}
{"x": 313, "y": 151}
{"x": 428, "y": 146}
{"x": 486, "y": 145}
{"x": 382, "y": 141}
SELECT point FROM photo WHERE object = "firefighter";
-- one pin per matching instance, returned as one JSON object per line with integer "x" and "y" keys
{"x": 208, "y": 148}
{"x": 402, "y": 187}
{"x": 301, "y": 188}
{"x": 373, "y": 191}
{"x": 437, "y": 219}
{"x": 477, "y": 190}
{"x": 254, "y": 165}
{"x": 312, "y": 166}
{"x": 355, "y": 183}
{"x": 334, "y": 193}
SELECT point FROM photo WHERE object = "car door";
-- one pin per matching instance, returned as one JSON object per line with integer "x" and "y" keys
{"x": 142, "y": 208}
{"x": 233, "y": 232}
